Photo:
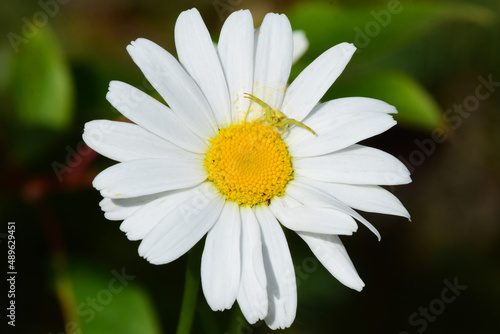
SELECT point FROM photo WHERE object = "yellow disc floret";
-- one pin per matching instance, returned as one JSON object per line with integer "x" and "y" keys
{"x": 249, "y": 163}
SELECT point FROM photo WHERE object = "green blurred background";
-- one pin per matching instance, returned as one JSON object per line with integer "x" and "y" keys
{"x": 437, "y": 62}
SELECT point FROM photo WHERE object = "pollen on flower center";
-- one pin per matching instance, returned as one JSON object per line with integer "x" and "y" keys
{"x": 249, "y": 163}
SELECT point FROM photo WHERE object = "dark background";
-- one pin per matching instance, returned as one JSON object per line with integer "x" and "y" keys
{"x": 429, "y": 59}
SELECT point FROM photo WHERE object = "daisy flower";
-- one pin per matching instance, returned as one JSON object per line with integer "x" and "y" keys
{"x": 237, "y": 154}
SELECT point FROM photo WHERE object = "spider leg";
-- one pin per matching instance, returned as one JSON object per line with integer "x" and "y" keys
{"x": 267, "y": 108}
{"x": 288, "y": 121}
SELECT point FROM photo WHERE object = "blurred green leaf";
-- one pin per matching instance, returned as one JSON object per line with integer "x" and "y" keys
{"x": 112, "y": 302}
{"x": 41, "y": 85}
{"x": 416, "y": 107}
{"x": 378, "y": 29}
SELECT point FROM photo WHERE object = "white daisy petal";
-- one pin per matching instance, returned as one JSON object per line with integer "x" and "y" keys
{"x": 306, "y": 191}
{"x": 122, "y": 208}
{"x": 356, "y": 164}
{"x": 221, "y": 260}
{"x": 178, "y": 89}
{"x": 139, "y": 224}
{"x": 186, "y": 224}
{"x": 197, "y": 54}
{"x": 236, "y": 52}
{"x": 273, "y": 61}
{"x": 300, "y": 45}
{"x": 332, "y": 254}
{"x": 313, "y": 82}
{"x": 347, "y": 105}
{"x": 339, "y": 124}
{"x": 148, "y": 176}
{"x": 153, "y": 116}
{"x": 311, "y": 219}
{"x": 122, "y": 141}
{"x": 369, "y": 198}
{"x": 281, "y": 286}
{"x": 114, "y": 211}
{"x": 252, "y": 293}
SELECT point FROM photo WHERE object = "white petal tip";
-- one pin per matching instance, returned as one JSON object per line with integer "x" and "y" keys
{"x": 190, "y": 11}
{"x": 156, "y": 262}
{"x": 406, "y": 180}
{"x": 111, "y": 216}
{"x": 150, "y": 255}
{"x": 404, "y": 213}
{"x": 223, "y": 305}
{"x": 134, "y": 46}
{"x": 153, "y": 260}
{"x": 354, "y": 282}
{"x": 132, "y": 237}
{"x": 275, "y": 326}
{"x": 114, "y": 83}
{"x": 348, "y": 48}
{"x": 140, "y": 250}
{"x": 131, "y": 47}
{"x": 252, "y": 319}
{"x": 114, "y": 90}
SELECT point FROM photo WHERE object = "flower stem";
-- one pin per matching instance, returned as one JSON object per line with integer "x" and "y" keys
{"x": 191, "y": 287}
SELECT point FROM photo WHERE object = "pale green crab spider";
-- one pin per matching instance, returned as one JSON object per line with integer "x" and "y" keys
{"x": 276, "y": 117}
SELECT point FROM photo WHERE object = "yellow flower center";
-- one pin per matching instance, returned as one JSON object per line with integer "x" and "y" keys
{"x": 249, "y": 163}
